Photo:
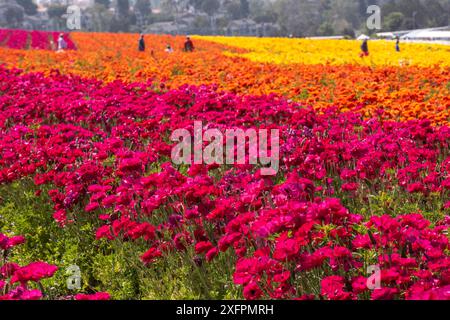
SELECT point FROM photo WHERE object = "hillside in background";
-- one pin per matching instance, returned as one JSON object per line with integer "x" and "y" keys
{"x": 298, "y": 18}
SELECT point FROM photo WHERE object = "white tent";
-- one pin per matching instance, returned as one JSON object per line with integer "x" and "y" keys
{"x": 428, "y": 35}
{"x": 363, "y": 37}
{"x": 386, "y": 35}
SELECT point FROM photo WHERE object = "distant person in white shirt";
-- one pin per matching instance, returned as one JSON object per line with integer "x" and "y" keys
{"x": 62, "y": 44}
{"x": 169, "y": 48}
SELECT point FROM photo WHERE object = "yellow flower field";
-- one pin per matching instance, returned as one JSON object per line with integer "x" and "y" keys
{"x": 335, "y": 52}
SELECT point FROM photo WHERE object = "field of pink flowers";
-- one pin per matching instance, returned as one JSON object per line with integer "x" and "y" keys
{"x": 350, "y": 193}
{"x": 41, "y": 40}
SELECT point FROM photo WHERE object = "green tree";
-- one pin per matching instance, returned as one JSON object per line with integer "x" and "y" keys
{"x": 245, "y": 8}
{"x": 394, "y": 21}
{"x": 122, "y": 21}
{"x": 326, "y": 29}
{"x": 362, "y": 7}
{"x": 144, "y": 7}
{"x": 100, "y": 18}
{"x": 105, "y": 3}
{"x": 123, "y": 8}
{"x": 29, "y": 6}
{"x": 14, "y": 16}
{"x": 234, "y": 10}
{"x": 299, "y": 17}
{"x": 55, "y": 13}
{"x": 210, "y": 6}
{"x": 349, "y": 33}
{"x": 262, "y": 11}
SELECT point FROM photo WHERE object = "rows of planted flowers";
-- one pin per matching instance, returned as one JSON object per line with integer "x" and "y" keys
{"x": 350, "y": 193}
{"x": 289, "y": 51}
{"x": 417, "y": 90}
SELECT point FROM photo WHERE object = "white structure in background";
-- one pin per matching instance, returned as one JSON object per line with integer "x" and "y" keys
{"x": 363, "y": 37}
{"x": 425, "y": 35}
{"x": 440, "y": 35}
{"x": 327, "y": 38}
{"x": 80, "y": 3}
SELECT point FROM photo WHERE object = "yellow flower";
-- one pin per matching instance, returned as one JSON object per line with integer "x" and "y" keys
{"x": 334, "y": 52}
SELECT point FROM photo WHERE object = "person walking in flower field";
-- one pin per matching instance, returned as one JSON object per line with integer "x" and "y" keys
{"x": 188, "y": 45}
{"x": 62, "y": 44}
{"x": 397, "y": 45}
{"x": 364, "y": 49}
{"x": 141, "y": 43}
{"x": 169, "y": 48}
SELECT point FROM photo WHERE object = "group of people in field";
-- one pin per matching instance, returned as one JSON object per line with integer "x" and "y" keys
{"x": 188, "y": 45}
{"x": 365, "y": 47}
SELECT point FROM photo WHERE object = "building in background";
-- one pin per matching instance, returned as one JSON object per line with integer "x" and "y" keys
{"x": 441, "y": 35}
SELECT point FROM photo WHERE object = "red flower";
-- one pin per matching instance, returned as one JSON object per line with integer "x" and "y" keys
{"x": 211, "y": 254}
{"x": 361, "y": 242}
{"x": 91, "y": 207}
{"x": 8, "y": 269}
{"x": 286, "y": 249}
{"x": 7, "y": 243}
{"x": 151, "y": 254}
{"x": 359, "y": 284}
{"x": 432, "y": 294}
{"x": 21, "y": 293}
{"x": 203, "y": 246}
{"x": 252, "y": 291}
{"x": 389, "y": 275}
{"x": 35, "y": 271}
{"x": 332, "y": 287}
{"x": 104, "y": 232}
{"x": 351, "y": 186}
{"x": 416, "y": 188}
{"x": 95, "y": 296}
{"x": 282, "y": 277}
{"x": 384, "y": 293}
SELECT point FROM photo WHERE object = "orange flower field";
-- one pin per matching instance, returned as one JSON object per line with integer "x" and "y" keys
{"x": 405, "y": 88}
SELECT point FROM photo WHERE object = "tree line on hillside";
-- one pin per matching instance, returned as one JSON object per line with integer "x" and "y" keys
{"x": 298, "y": 18}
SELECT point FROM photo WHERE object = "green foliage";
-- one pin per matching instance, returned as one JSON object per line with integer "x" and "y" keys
{"x": 56, "y": 11}
{"x": 394, "y": 202}
{"x": 105, "y": 3}
{"x": 296, "y": 17}
{"x": 123, "y": 7}
{"x": 144, "y": 7}
{"x": 245, "y": 8}
{"x": 112, "y": 266}
{"x": 234, "y": 10}
{"x": 394, "y": 21}
{"x": 29, "y": 6}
